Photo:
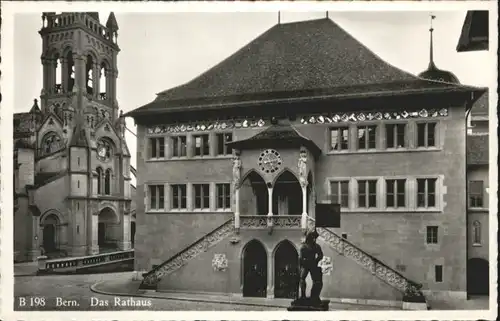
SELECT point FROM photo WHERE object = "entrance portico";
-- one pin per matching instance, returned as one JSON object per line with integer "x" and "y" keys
{"x": 277, "y": 183}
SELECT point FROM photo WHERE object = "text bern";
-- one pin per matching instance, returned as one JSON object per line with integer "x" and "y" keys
{"x": 121, "y": 302}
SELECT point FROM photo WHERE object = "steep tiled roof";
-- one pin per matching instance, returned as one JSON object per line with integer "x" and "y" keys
{"x": 477, "y": 150}
{"x": 292, "y": 61}
{"x": 286, "y": 134}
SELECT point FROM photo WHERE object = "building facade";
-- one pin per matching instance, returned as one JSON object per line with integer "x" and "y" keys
{"x": 72, "y": 165}
{"x": 233, "y": 165}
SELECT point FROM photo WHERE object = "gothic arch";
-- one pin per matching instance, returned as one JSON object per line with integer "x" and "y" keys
{"x": 281, "y": 172}
{"x": 108, "y": 214}
{"x": 67, "y": 48}
{"x": 111, "y": 206}
{"x": 286, "y": 270}
{"x": 49, "y": 212}
{"x": 248, "y": 173}
{"x": 254, "y": 269}
{"x": 281, "y": 243}
{"x": 93, "y": 54}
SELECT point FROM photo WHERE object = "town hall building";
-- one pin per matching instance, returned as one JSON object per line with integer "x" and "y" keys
{"x": 236, "y": 164}
{"x": 72, "y": 191}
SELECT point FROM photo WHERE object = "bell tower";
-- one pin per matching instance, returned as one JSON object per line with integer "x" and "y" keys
{"x": 79, "y": 58}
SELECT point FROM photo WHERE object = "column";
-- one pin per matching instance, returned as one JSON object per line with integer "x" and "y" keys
{"x": 94, "y": 247}
{"x": 124, "y": 244}
{"x": 34, "y": 252}
{"x": 64, "y": 74}
{"x": 236, "y": 208}
{"x": 270, "y": 276}
{"x": 303, "y": 221}
{"x": 95, "y": 80}
{"x": 270, "y": 206}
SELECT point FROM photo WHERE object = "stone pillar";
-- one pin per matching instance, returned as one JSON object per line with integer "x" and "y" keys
{"x": 64, "y": 74}
{"x": 270, "y": 206}
{"x": 303, "y": 221}
{"x": 94, "y": 245}
{"x": 95, "y": 80}
{"x": 34, "y": 251}
{"x": 270, "y": 276}
{"x": 124, "y": 242}
{"x": 237, "y": 208}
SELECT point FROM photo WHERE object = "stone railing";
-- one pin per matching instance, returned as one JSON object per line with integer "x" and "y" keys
{"x": 367, "y": 261}
{"x": 153, "y": 277}
{"x": 264, "y": 221}
{"x": 76, "y": 263}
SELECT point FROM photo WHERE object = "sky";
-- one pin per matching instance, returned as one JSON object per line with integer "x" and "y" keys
{"x": 163, "y": 50}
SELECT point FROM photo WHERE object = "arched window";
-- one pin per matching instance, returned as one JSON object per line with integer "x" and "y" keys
{"x": 102, "y": 81}
{"x": 58, "y": 74}
{"x": 51, "y": 143}
{"x": 476, "y": 233}
{"x": 107, "y": 182}
{"x": 70, "y": 71}
{"x": 89, "y": 79}
{"x": 100, "y": 178}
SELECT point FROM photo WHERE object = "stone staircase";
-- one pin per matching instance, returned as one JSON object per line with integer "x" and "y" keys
{"x": 153, "y": 277}
{"x": 367, "y": 261}
{"x": 342, "y": 246}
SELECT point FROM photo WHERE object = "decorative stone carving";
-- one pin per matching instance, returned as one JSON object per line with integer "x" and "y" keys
{"x": 252, "y": 222}
{"x": 219, "y": 262}
{"x": 326, "y": 265}
{"x": 236, "y": 170}
{"x": 286, "y": 221}
{"x": 206, "y": 126}
{"x": 177, "y": 261}
{"x": 303, "y": 167}
{"x": 362, "y": 116}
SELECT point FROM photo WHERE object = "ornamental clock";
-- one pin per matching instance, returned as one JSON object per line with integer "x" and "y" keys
{"x": 103, "y": 150}
{"x": 270, "y": 161}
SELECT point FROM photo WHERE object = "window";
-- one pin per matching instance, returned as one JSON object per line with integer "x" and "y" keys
{"x": 223, "y": 196}
{"x": 476, "y": 194}
{"x": 438, "y": 273}
{"x": 367, "y": 137}
{"x": 178, "y": 196}
{"x": 340, "y": 193}
{"x": 201, "y": 147}
{"x": 426, "y": 135}
{"x": 157, "y": 147}
{"x": 432, "y": 235}
{"x": 395, "y": 135}
{"x": 179, "y": 146}
{"x": 201, "y": 196}
{"x": 100, "y": 180}
{"x": 395, "y": 192}
{"x": 107, "y": 182}
{"x": 222, "y": 140}
{"x": 339, "y": 138}
{"x": 156, "y": 197}
{"x": 426, "y": 192}
{"x": 367, "y": 193}
{"x": 476, "y": 233}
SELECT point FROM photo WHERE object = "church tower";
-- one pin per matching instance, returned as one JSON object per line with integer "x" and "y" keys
{"x": 82, "y": 163}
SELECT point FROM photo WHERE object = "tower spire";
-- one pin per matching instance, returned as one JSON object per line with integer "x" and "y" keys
{"x": 431, "y": 48}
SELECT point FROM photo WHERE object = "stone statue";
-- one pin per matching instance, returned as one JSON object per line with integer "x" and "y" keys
{"x": 310, "y": 255}
{"x": 236, "y": 170}
{"x": 303, "y": 168}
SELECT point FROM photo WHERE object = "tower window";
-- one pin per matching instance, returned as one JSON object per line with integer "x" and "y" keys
{"x": 107, "y": 182}
{"x": 89, "y": 75}
{"x": 102, "y": 82}
{"x": 100, "y": 179}
{"x": 70, "y": 71}
{"x": 58, "y": 74}
{"x": 476, "y": 233}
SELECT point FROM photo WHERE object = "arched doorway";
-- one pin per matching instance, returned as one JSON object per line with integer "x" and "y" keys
{"x": 286, "y": 271}
{"x": 253, "y": 195}
{"x": 49, "y": 238}
{"x": 254, "y": 270}
{"x": 478, "y": 280}
{"x": 107, "y": 228}
{"x": 287, "y": 195}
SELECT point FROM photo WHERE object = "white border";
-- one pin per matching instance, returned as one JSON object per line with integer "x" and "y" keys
{"x": 6, "y": 279}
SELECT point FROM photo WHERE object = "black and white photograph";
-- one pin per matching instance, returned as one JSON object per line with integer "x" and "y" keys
{"x": 254, "y": 160}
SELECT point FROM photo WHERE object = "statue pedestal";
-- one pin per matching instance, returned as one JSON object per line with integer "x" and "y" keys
{"x": 307, "y": 304}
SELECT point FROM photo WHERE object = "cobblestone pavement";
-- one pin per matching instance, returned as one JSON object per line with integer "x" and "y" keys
{"x": 75, "y": 291}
